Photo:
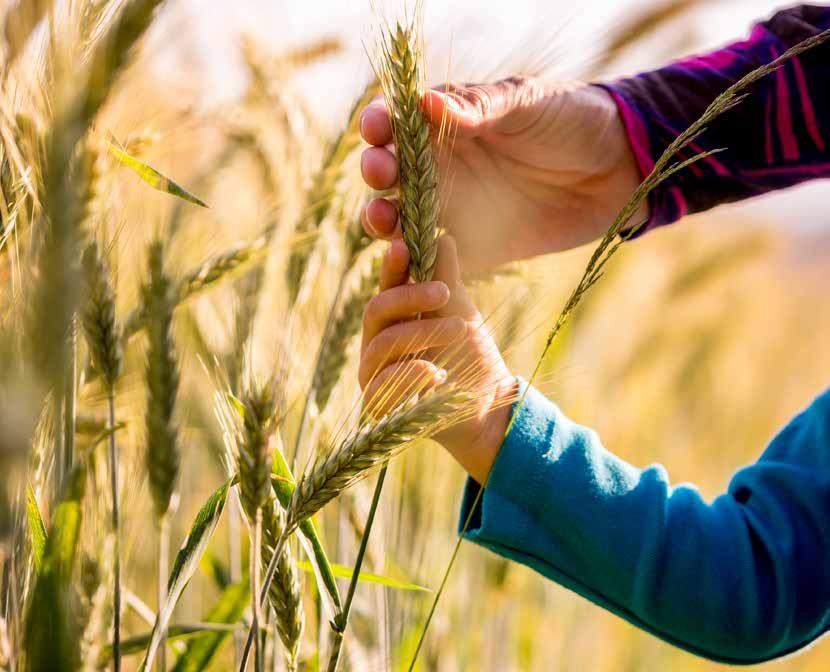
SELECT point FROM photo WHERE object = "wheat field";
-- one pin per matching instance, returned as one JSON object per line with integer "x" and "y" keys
{"x": 189, "y": 481}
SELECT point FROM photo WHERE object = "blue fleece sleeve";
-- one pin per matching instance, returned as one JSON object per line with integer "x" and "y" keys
{"x": 742, "y": 579}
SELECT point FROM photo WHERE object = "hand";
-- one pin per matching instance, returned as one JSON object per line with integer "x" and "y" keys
{"x": 450, "y": 342}
{"x": 534, "y": 168}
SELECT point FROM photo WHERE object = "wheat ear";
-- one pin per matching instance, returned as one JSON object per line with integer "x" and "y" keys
{"x": 377, "y": 442}
{"x": 401, "y": 77}
{"x": 284, "y": 591}
{"x": 204, "y": 276}
{"x": 97, "y": 314}
{"x": 162, "y": 383}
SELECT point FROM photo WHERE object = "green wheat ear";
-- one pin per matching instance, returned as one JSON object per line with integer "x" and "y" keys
{"x": 401, "y": 78}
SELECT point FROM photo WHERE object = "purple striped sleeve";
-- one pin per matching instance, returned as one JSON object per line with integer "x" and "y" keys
{"x": 775, "y": 139}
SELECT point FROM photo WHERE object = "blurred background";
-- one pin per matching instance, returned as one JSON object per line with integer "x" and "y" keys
{"x": 704, "y": 338}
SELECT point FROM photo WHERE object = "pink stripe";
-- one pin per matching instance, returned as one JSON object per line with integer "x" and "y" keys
{"x": 807, "y": 104}
{"x": 680, "y": 201}
{"x": 783, "y": 115}
{"x": 768, "y": 131}
{"x": 637, "y": 135}
{"x": 726, "y": 57}
{"x": 811, "y": 169}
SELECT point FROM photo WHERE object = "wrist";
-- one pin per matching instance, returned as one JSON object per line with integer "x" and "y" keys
{"x": 477, "y": 451}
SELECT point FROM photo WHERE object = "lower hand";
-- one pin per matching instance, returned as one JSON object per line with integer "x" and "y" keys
{"x": 451, "y": 342}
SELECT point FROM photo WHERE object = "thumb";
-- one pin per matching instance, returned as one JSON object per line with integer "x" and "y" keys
{"x": 507, "y": 106}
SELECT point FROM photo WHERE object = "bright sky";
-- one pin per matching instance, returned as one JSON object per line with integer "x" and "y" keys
{"x": 475, "y": 39}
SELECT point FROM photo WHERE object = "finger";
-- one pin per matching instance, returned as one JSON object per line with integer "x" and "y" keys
{"x": 394, "y": 270}
{"x": 448, "y": 270}
{"x": 375, "y": 125}
{"x": 401, "y": 303}
{"x": 398, "y": 382}
{"x": 380, "y": 219}
{"x": 379, "y": 168}
{"x": 508, "y": 106}
{"x": 408, "y": 338}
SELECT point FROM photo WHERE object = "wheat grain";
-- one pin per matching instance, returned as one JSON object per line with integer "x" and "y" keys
{"x": 402, "y": 80}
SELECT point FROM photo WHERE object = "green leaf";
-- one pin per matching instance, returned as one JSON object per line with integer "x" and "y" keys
{"x": 153, "y": 177}
{"x": 229, "y": 609}
{"x": 36, "y": 528}
{"x": 284, "y": 486}
{"x": 342, "y": 572}
{"x": 187, "y": 560}
{"x": 215, "y": 569}
{"x": 52, "y": 635}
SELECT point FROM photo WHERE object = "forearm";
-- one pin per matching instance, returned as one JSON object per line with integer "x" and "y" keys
{"x": 742, "y": 579}
{"x": 775, "y": 139}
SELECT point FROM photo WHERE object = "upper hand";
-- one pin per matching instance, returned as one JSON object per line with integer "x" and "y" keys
{"x": 533, "y": 168}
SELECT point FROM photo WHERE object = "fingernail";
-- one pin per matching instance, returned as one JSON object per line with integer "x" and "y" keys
{"x": 441, "y": 375}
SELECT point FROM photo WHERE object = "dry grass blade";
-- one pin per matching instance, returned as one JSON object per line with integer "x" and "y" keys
{"x": 162, "y": 384}
{"x": 402, "y": 80}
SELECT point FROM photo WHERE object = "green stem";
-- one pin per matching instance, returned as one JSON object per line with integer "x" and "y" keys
{"x": 163, "y": 569}
{"x": 263, "y": 590}
{"x": 116, "y": 532}
{"x": 69, "y": 399}
{"x": 234, "y": 559}
{"x": 342, "y": 620}
{"x": 259, "y": 662}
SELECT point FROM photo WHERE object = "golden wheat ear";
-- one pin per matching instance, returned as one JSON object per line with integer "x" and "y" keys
{"x": 400, "y": 71}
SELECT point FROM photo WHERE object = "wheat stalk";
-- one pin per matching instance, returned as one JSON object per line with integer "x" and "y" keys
{"x": 401, "y": 76}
